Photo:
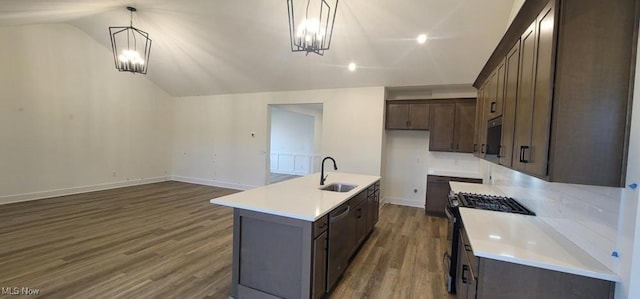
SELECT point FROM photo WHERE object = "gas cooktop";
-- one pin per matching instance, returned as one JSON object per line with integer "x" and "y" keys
{"x": 492, "y": 203}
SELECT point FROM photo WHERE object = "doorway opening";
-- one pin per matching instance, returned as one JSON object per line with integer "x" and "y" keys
{"x": 295, "y": 141}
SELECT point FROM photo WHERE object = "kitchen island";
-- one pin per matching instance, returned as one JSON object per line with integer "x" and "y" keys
{"x": 293, "y": 240}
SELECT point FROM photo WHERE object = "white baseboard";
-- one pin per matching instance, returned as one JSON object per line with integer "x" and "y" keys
{"x": 288, "y": 172}
{"x": 212, "y": 183}
{"x": 404, "y": 202}
{"x": 75, "y": 190}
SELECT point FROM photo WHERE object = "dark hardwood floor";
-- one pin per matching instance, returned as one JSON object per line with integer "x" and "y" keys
{"x": 166, "y": 240}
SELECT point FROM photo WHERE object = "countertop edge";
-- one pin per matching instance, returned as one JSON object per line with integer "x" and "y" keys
{"x": 287, "y": 215}
{"x": 347, "y": 196}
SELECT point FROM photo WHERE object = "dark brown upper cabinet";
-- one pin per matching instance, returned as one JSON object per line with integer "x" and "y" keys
{"x": 496, "y": 102}
{"x": 452, "y": 125}
{"x": 464, "y": 128}
{"x": 568, "y": 73}
{"x": 403, "y": 115}
{"x": 512, "y": 66}
{"x": 480, "y": 136}
{"x": 442, "y": 127}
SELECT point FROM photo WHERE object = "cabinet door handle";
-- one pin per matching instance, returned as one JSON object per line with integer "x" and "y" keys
{"x": 499, "y": 151}
{"x": 475, "y": 147}
{"x": 482, "y": 149}
{"x": 493, "y": 107}
{"x": 465, "y": 268}
{"x": 523, "y": 148}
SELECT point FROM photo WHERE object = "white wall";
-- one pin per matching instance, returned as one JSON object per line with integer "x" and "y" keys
{"x": 314, "y": 110}
{"x": 69, "y": 121}
{"x": 517, "y": 4}
{"x": 213, "y": 143}
{"x": 408, "y": 161}
{"x": 291, "y": 131}
{"x": 292, "y": 142}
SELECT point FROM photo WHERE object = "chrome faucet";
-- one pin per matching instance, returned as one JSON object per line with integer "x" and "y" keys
{"x": 322, "y": 176}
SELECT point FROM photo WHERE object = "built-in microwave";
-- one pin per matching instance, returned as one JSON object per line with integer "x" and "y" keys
{"x": 494, "y": 138}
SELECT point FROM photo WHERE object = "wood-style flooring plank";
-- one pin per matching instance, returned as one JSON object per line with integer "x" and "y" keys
{"x": 402, "y": 258}
{"x": 166, "y": 240}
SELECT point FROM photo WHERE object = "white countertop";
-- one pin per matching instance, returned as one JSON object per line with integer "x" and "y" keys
{"x": 299, "y": 198}
{"x": 527, "y": 240}
{"x": 453, "y": 173}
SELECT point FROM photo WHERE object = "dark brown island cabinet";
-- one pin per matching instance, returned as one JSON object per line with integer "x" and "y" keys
{"x": 484, "y": 278}
{"x": 282, "y": 257}
{"x": 438, "y": 191}
{"x": 554, "y": 98}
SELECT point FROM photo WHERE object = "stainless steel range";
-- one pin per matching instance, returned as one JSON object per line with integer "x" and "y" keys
{"x": 474, "y": 201}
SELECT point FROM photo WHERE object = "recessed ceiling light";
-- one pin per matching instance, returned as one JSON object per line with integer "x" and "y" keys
{"x": 422, "y": 38}
{"x": 352, "y": 66}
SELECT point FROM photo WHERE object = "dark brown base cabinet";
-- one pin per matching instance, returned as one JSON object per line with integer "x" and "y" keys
{"x": 562, "y": 78}
{"x": 281, "y": 257}
{"x": 483, "y": 278}
{"x": 438, "y": 192}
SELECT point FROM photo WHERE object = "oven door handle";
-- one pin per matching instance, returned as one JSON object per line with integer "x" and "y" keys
{"x": 446, "y": 261}
{"x": 449, "y": 214}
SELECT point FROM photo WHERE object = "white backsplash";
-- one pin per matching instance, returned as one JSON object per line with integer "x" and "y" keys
{"x": 586, "y": 215}
{"x": 408, "y": 161}
{"x": 453, "y": 162}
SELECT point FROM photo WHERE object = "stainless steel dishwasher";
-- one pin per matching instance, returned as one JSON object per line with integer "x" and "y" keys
{"x": 341, "y": 238}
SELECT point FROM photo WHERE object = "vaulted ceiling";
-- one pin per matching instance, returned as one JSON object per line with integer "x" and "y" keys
{"x": 205, "y": 47}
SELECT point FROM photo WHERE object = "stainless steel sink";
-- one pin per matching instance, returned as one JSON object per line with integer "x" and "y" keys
{"x": 338, "y": 187}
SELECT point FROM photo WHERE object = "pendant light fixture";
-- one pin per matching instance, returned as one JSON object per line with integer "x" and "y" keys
{"x": 131, "y": 47}
{"x": 311, "y": 31}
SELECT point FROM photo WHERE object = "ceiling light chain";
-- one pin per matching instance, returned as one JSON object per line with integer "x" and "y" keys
{"x": 130, "y": 59}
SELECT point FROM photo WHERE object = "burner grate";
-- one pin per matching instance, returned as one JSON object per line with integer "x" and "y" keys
{"x": 492, "y": 203}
